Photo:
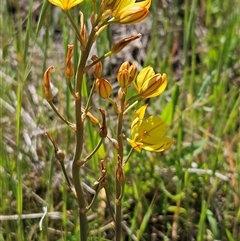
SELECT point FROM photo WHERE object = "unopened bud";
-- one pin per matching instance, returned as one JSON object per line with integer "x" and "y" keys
{"x": 153, "y": 86}
{"x": 133, "y": 73}
{"x": 133, "y": 15}
{"x": 97, "y": 72}
{"x": 123, "y": 43}
{"x": 69, "y": 70}
{"x": 103, "y": 129}
{"x": 103, "y": 87}
{"x": 92, "y": 118}
{"x": 124, "y": 65}
{"x": 46, "y": 84}
{"x": 120, "y": 94}
{"x": 83, "y": 32}
{"x": 123, "y": 78}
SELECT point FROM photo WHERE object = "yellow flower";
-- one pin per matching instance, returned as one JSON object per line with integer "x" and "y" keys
{"x": 148, "y": 134}
{"x": 148, "y": 84}
{"x": 65, "y": 5}
{"x": 130, "y": 11}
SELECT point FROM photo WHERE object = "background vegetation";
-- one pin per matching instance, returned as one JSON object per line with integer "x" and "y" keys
{"x": 191, "y": 192}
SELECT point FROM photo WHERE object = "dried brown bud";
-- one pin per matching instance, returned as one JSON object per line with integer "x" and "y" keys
{"x": 123, "y": 43}
{"x": 69, "y": 70}
{"x": 97, "y": 72}
{"x": 103, "y": 129}
{"x": 83, "y": 32}
{"x": 46, "y": 85}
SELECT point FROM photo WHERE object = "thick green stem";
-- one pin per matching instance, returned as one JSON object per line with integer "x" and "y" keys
{"x": 79, "y": 140}
{"x": 77, "y": 156}
{"x": 119, "y": 184}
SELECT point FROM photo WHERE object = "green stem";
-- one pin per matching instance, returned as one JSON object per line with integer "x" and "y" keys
{"x": 90, "y": 98}
{"x": 62, "y": 117}
{"x": 71, "y": 89}
{"x": 80, "y": 139}
{"x": 93, "y": 201}
{"x": 129, "y": 154}
{"x": 75, "y": 28}
{"x": 93, "y": 152}
{"x": 67, "y": 178}
{"x": 109, "y": 205}
{"x": 130, "y": 107}
{"x": 119, "y": 184}
{"x": 108, "y": 54}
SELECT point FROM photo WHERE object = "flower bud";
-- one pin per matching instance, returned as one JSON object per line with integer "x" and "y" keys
{"x": 103, "y": 128}
{"x": 97, "y": 72}
{"x": 133, "y": 73}
{"x": 153, "y": 86}
{"x": 92, "y": 118}
{"x": 124, "y": 65}
{"x": 123, "y": 43}
{"x": 69, "y": 70}
{"x": 46, "y": 85}
{"x": 120, "y": 94}
{"x": 133, "y": 15}
{"x": 82, "y": 32}
{"x": 103, "y": 87}
{"x": 123, "y": 78}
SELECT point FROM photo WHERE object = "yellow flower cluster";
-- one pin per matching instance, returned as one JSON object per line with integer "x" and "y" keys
{"x": 122, "y": 11}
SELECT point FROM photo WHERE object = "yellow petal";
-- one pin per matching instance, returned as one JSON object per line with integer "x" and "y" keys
{"x": 152, "y": 129}
{"x": 135, "y": 14}
{"x": 65, "y": 4}
{"x": 162, "y": 145}
{"x": 135, "y": 145}
{"x": 121, "y": 4}
{"x": 143, "y": 76}
{"x": 137, "y": 121}
{"x": 139, "y": 113}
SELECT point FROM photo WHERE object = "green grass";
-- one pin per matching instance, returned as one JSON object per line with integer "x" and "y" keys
{"x": 192, "y": 191}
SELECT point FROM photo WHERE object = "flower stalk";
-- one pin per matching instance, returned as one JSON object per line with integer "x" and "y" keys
{"x": 144, "y": 132}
